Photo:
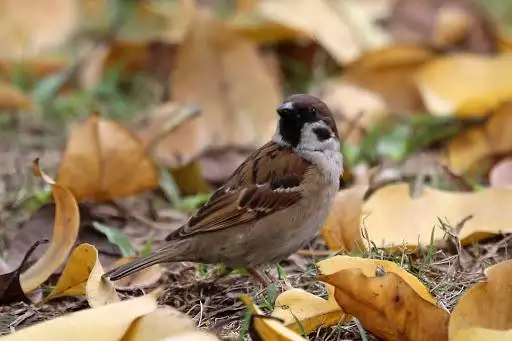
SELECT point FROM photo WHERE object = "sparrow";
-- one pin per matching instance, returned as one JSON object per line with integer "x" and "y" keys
{"x": 276, "y": 201}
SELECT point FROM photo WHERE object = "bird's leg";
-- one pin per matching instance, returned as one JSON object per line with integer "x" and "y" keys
{"x": 260, "y": 276}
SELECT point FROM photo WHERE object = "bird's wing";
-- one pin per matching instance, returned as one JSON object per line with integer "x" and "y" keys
{"x": 269, "y": 181}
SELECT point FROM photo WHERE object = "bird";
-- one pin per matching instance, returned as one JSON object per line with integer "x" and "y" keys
{"x": 273, "y": 204}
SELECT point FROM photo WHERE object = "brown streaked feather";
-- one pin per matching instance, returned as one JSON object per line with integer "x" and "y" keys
{"x": 268, "y": 182}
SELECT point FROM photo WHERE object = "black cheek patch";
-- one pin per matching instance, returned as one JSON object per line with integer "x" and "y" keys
{"x": 322, "y": 133}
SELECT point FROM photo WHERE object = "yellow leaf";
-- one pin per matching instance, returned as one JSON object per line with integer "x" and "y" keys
{"x": 82, "y": 277}
{"x": 342, "y": 230}
{"x": 482, "y": 334}
{"x": 369, "y": 268}
{"x": 65, "y": 232}
{"x": 487, "y": 304}
{"x": 311, "y": 311}
{"x": 190, "y": 180}
{"x": 318, "y": 20}
{"x": 267, "y": 328}
{"x": 107, "y": 323}
{"x": 26, "y": 28}
{"x": 389, "y": 71}
{"x": 141, "y": 279}
{"x": 466, "y": 85}
{"x": 12, "y": 98}
{"x": 103, "y": 160}
{"x": 387, "y": 306}
{"x": 466, "y": 151}
{"x": 227, "y": 78}
{"x": 393, "y": 218}
{"x": 165, "y": 323}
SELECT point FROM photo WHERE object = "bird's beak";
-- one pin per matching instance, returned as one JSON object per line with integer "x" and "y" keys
{"x": 285, "y": 109}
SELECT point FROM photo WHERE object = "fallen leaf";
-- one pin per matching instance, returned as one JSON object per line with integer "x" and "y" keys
{"x": 268, "y": 328}
{"x": 488, "y": 304}
{"x": 388, "y": 306}
{"x": 13, "y": 99}
{"x": 139, "y": 280}
{"x": 190, "y": 180}
{"x": 482, "y": 334}
{"x": 26, "y": 28}
{"x": 455, "y": 25}
{"x": 501, "y": 174}
{"x": 109, "y": 322}
{"x": 466, "y": 85}
{"x": 319, "y": 20}
{"x": 103, "y": 161}
{"x": 227, "y": 78}
{"x": 10, "y": 286}
{"x": 82, "y": 277}
{"x": 65, "y": 232}
{"x": 342, "y": 230}
{"x": 466, "y": 151}
{"x": 165, "y": 323}
{"x": 305, "y": 312}
{"x": 389, "y": 71}
{"x": 388, "y": 213}
{"x": 369, "y": 268}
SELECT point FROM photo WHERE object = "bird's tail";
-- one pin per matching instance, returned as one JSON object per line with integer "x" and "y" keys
{"x": 164, "y": 255}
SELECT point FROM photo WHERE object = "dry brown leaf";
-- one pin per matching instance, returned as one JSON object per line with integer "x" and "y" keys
{"x": 501, "y": 174}
{"x": 10, "y": 286}
{"x": 394, "y": 219}
{"x": 369, "y": 268}
{"x": 487, "y": 304}
{"x": 355, "y": 109}
{"x": 305, "y": 312}
{"x": 34, "y": 68}
{"x": 226, "y": 77}
{"x": 190, "y": 180}
{"x": 466, "y": 85}
{"x": 82, "y": 277}
{"x": 387, "y": 306}
{"x": 103, "y": 161}
{"x": 342, "y": 230}
{"x": 139, "y": 280}
{"x": 12, "y": 98}
{"x": 448, "y": 24}
{"x": 267, "y": 328}
{"x": 65, "y": 232}
{"x": 26, "y": 28}
{"x": 168, "y": 324}
{"x": 482, "y": 334}
{"x": 108, "y": 323}
{"x": 389, "y": 71}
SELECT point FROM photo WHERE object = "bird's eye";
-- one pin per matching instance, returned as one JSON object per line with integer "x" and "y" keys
{"x": 322, "y": 133}
{"x": 313, "y": 110}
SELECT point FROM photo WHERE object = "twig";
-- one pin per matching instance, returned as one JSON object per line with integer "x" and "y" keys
{"x": 458, "y": 180}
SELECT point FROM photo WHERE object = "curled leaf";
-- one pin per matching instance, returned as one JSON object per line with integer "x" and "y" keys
{"x": 268, "y": 328}
{"x": 82, "y": 277}
{"x": 388, "y": 306}
{"x": 305, "y": 312}
{"x": 65, "y": 232}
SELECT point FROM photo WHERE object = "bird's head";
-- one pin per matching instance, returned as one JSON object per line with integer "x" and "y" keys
{"x": 306, "y": 123}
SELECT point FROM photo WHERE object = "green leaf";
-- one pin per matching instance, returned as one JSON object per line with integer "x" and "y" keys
{"x": 116, "y": 238}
